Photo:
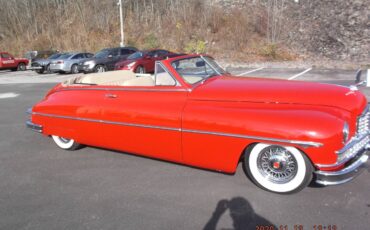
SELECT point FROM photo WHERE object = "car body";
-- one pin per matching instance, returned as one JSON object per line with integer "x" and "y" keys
{"x": 191, "y": 111}
{"x": 43, "y": 65}
{"x": 143, "y": 61}
{"x": 8, "y": 61}
{"x": 105, "y": 59}
{"x": 68, "y": 62}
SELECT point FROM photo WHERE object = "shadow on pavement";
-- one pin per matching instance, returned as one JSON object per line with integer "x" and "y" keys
{"x": 241, "y": 213}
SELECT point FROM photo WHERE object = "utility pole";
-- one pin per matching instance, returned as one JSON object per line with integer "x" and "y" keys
{"x": 122, "y": 43}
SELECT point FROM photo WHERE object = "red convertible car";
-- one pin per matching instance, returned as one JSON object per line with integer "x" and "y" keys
{"x": 190, "y": 111}
{"x": 143, "y": 61}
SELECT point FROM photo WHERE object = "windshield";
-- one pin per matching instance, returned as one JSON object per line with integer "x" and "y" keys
{"x": 102, "y": 54}
{"x": 135, "y": 55}
{"x": 55, "y": 56}
{"x": 196, "y": 69}
{"x": 64, "y": 56}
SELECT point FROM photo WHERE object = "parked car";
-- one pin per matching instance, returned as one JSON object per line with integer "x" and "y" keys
{"x": 143, "y": 61}
{"x": 43, "y": 65}
{"x": 68, "y": 62}
{"x": 39, "y": 54}
{"x": 105, "y": 59}
{"x": 191, "y": 111}
{"x": 8, "y": 61}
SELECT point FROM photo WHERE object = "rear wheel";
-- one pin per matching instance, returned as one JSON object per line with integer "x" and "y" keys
{"x": 21, "y": 67}
{"x": 65, "y": 143}
{"x": 279, "y": 169}
{"x": 74, "y": 69}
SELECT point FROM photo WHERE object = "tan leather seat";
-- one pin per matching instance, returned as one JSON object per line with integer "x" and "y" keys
{"x": 140, "y": 81}
{"x": 107, "y": 78}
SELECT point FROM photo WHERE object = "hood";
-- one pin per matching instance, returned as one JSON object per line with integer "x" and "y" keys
{"x": 126, "y": 62}
{"x": 262, "y": 90}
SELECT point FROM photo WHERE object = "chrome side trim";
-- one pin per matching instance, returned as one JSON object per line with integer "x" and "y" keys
{"x": 127, "y": 89}
{"x": 108, "y": 122}
{"x": 301, "y": 143}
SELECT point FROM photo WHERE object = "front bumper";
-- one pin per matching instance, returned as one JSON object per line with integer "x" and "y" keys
{"x": 85, "y": 68}
{"x": 352, "y": 169}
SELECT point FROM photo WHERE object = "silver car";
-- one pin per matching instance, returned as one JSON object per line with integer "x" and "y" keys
{"x": 68, "y": 62}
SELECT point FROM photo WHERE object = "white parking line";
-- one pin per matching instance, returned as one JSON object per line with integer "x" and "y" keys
{"x": 299, "y": 74}
{"x": 8, "y": 95}
{"x": 250, "y": 71}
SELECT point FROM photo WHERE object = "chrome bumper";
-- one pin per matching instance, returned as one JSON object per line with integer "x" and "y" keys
{"x": 33, "y": 126}
{"x": 352, "y": 169}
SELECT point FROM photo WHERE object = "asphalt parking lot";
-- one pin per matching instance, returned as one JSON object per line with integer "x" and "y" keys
{"x": 44, "y": 187}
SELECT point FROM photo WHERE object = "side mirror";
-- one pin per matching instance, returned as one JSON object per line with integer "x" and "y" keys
{"x": 147, "y": 57}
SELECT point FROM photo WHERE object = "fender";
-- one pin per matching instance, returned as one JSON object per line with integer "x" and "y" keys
{"x": 207, "y": 123}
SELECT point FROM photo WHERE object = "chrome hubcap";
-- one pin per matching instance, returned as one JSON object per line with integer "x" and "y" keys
{"x": 277, "y": 164}
{"x": 101, "y": 69}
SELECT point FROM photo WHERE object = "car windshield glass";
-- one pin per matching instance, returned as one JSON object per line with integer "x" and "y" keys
{"x": 102, "y": 54}
{"x": 196, "y": 69}
{"x": 135, "y": 55}
{"x": 65, "y": 56}
{"x": 55, "y": 56}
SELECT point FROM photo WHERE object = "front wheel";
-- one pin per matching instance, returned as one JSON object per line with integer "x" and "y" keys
{"x": 21, "y": 67}
{"x": 65, "y": 143}
{"x": 100, "y": 69}
{"x": 140, "y": 70}
{"x": 279, "y": 169}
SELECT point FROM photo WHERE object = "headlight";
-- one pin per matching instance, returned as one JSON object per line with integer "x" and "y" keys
{"x": 131, "y": 64}
{"x": 345, "y": 132}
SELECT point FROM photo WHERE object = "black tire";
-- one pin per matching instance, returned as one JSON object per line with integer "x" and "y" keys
{"x": 40, "y": 71}
{"x": 48, "y": 70}
{"x": 21, "y": 67}
{"x": 66, "y": 144}
{"x": 74, "y": 69}
{"x": 100, "y": 69}
{"x": 140, "y": 69}
{"x": 278, "y": 169}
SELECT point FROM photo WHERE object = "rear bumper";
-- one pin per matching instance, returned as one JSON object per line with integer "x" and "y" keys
{"x": 60, "y": 67}
{"x": 33, "y": 126}
{"x": 352, "y": 169}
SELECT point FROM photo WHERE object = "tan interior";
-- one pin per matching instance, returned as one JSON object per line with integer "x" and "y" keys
{"x": 116, "y": 78}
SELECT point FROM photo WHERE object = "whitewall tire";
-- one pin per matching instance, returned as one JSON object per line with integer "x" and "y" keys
{"x": 279, "y": 169}
{"x": 65, "y": 143}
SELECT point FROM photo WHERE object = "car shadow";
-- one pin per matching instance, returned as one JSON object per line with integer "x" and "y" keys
{"x": 241, "y": 213}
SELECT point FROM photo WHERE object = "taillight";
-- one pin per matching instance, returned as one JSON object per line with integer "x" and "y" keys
{"x": 60, "y": 62}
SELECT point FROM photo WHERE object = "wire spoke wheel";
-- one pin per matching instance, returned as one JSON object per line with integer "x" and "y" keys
{"x": 277, "y": 168}
{"x": 277, "y": 164}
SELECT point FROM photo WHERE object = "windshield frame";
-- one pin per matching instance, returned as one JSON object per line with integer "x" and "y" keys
{"x": 212, "y": 64}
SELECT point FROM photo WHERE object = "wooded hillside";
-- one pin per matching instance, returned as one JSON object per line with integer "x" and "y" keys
{"x": 237, "y": 30}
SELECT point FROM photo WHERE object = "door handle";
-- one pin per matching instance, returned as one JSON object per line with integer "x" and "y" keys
{"x": 110, "y": 95}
